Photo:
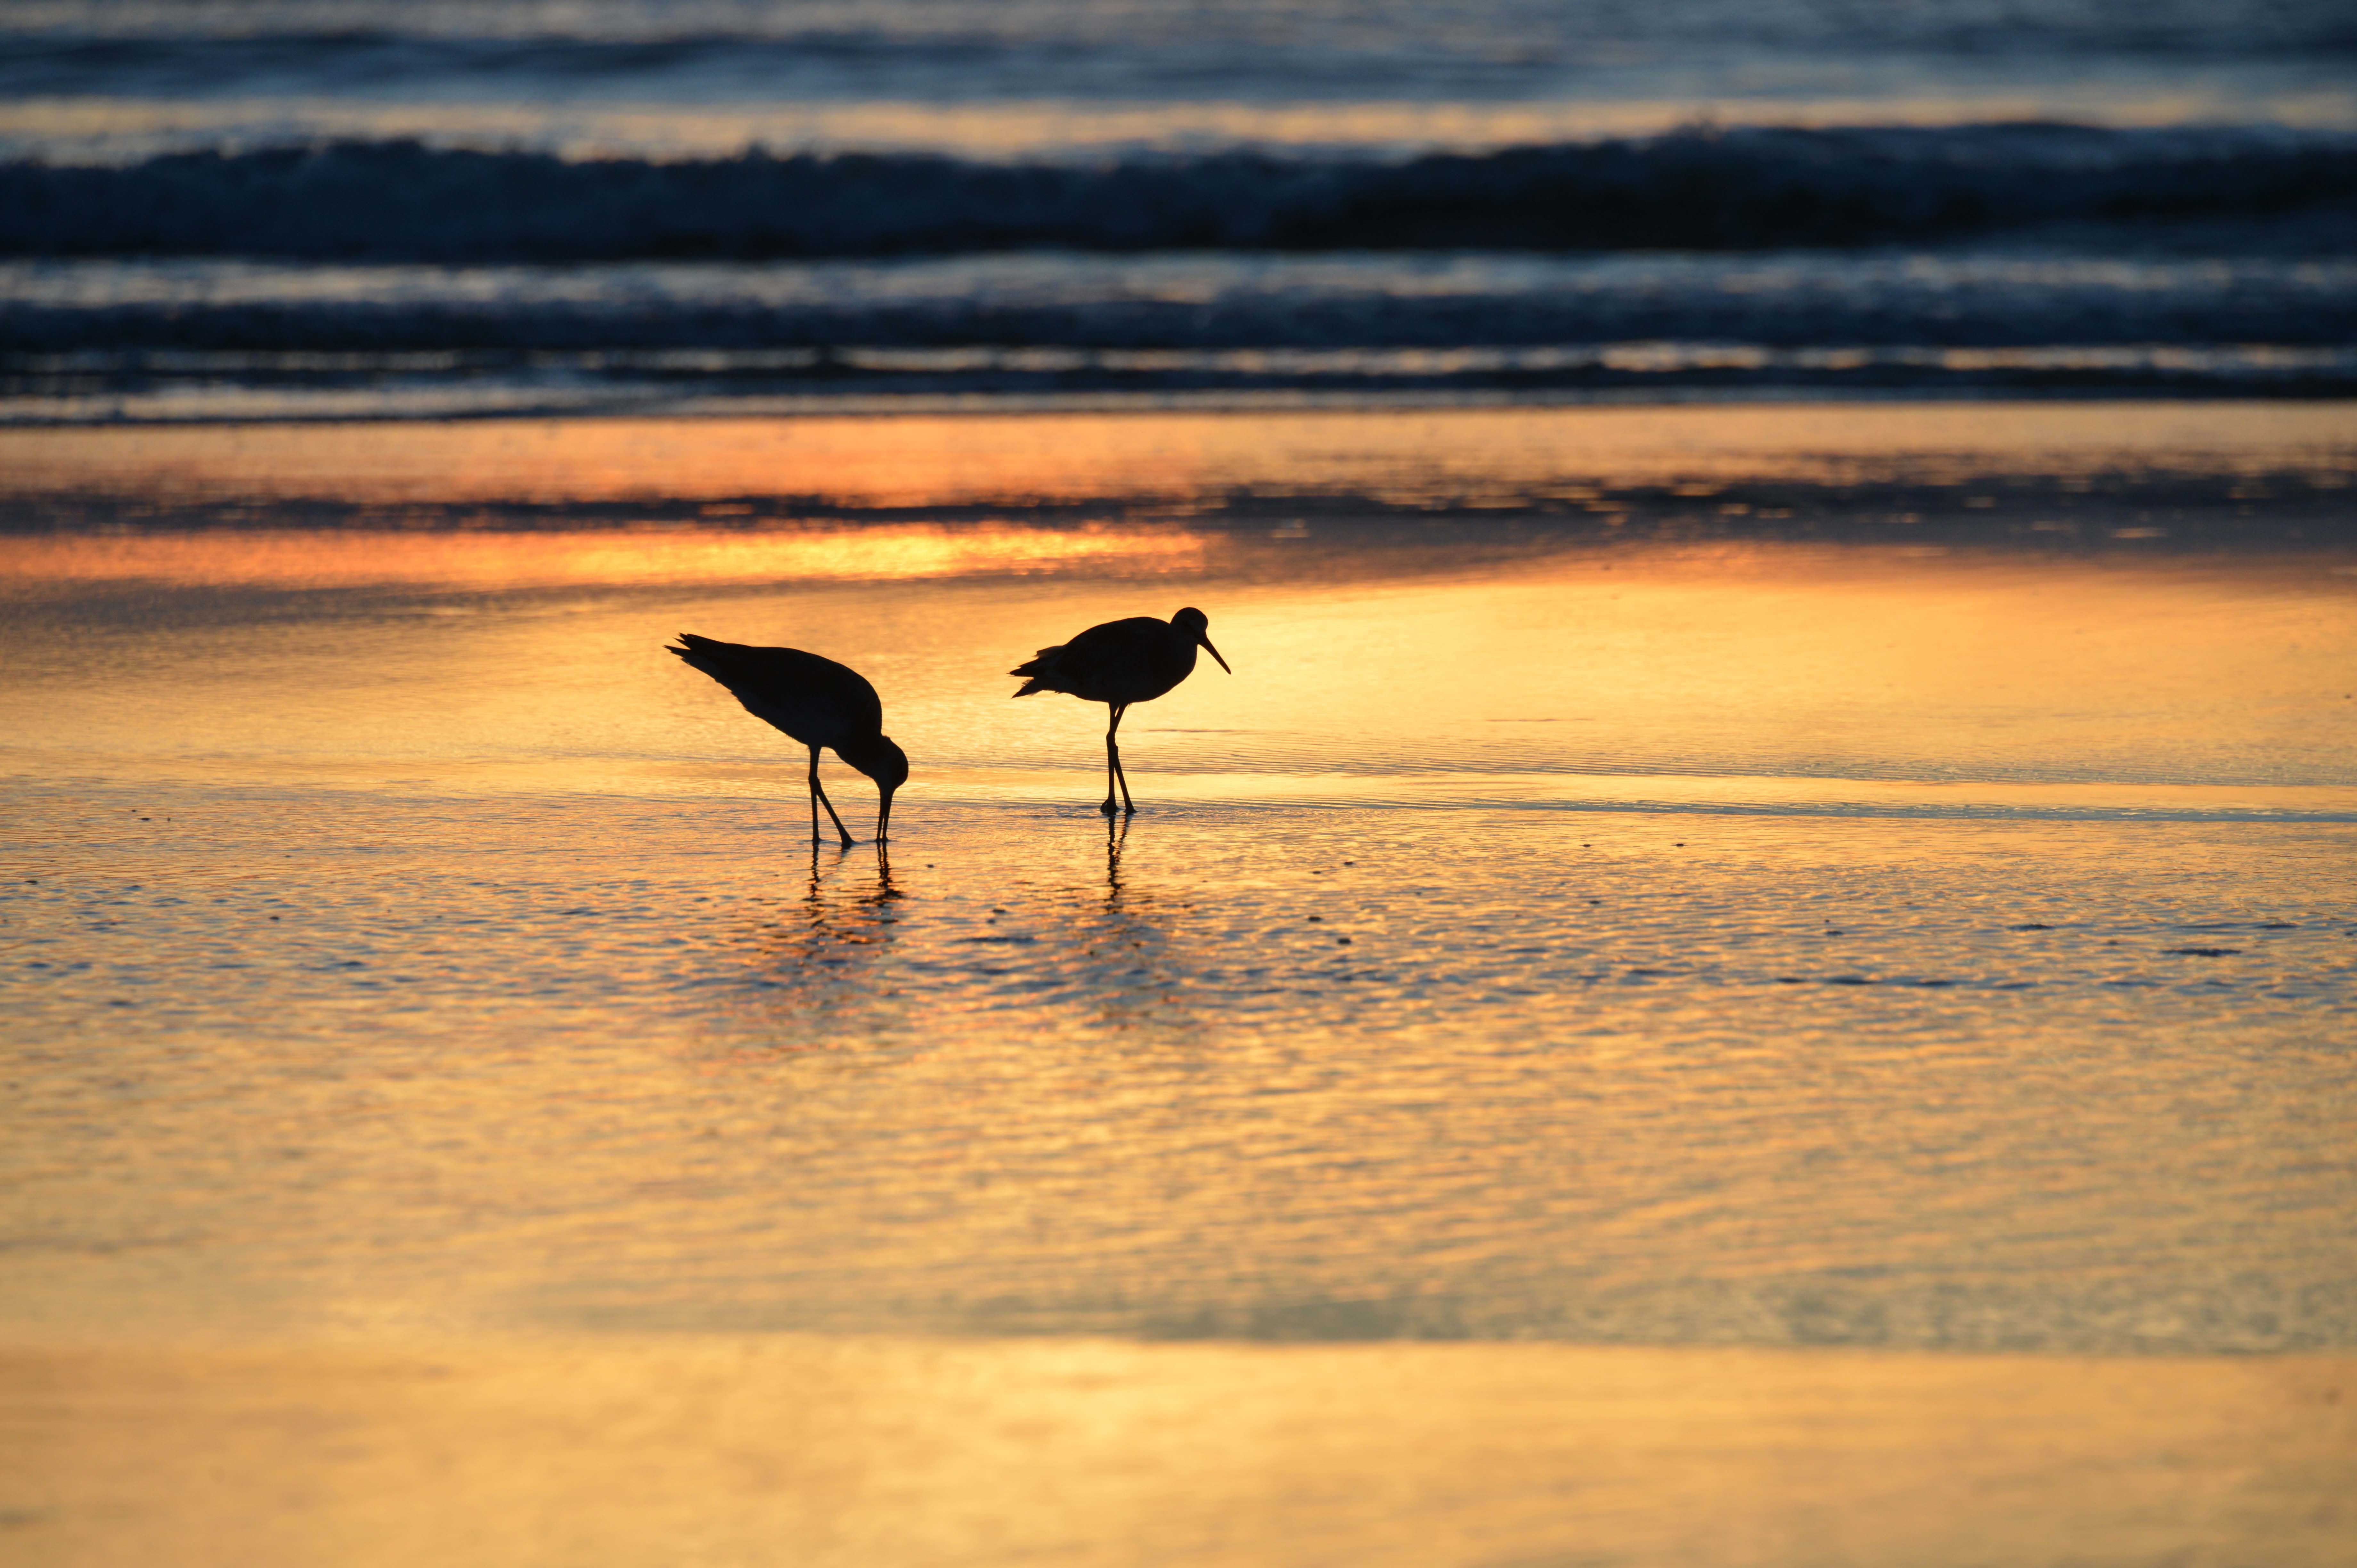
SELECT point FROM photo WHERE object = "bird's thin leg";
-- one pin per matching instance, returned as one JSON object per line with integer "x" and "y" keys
{"x": 818, "y": 799}
{"x": 813, "y": 797}
{"x": 1113, "y": 758}
{"x": 1121, "y": 775}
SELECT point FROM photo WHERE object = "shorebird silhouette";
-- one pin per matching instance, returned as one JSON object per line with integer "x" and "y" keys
{"x": 1118, "y": 664}
{"x": 818, "y": 703}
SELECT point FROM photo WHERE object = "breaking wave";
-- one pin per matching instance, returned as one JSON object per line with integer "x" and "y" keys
{"x": 1702, "y": 190}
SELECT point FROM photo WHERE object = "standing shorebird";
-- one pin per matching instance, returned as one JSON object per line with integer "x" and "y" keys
{"x": 818, "y": 703}
{"x": 1118, "y": 664}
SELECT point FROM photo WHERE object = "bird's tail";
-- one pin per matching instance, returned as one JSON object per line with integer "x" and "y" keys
{"x": 1039, "y": 670}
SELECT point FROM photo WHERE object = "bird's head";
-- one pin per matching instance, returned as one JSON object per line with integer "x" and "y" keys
{"x": 1198, "y": 627}
{"x": 884, "y": 762}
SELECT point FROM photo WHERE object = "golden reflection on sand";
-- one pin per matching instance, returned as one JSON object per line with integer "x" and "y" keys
{"x": 1658, "y": 676}
{"x": 474, "y": 561}
{"x": 1006, "y": 459}
{"x": 422, "y": 1197}
{"x": 1844, "y": 665}
{"x": 896, "y": 1453}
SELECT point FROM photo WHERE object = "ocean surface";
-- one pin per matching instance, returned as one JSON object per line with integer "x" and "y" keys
{"x": 317, "y": 208}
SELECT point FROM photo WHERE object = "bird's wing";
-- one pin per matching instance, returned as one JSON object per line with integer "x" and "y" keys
{"x": 812, "y": 698}
{"x": 730, "y": 662}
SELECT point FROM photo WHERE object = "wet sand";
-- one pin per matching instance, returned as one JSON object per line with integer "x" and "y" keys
{"x": 1819, "y": 958}
{"x": 858, "y": 1450}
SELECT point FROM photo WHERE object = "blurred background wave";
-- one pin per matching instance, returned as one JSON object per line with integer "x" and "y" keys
{"x": 314, "y": 207}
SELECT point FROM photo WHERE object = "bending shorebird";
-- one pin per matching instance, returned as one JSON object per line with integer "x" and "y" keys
{"x": 817, "y": 702}
{"x": 1118, "y": 664}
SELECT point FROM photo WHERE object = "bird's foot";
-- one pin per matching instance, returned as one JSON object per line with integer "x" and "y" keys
{"x": 1108, "y": 807}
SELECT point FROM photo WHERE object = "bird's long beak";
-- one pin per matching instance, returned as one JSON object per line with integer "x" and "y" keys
{"x": 883, "y": 815}
{"x": 1213, "y": 651}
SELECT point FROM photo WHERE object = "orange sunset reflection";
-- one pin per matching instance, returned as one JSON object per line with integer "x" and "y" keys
{"x": 1003, "y": 460}
{"x": 478, "y": 561}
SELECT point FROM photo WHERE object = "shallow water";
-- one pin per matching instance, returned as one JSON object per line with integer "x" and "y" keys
{"x": 1572, "y": 928}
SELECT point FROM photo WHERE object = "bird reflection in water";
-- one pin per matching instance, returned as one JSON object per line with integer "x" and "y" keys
{"x": 1124, "y": 968}
{"x": 821, "y": 953}
{"x": 1116, "y": 839}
